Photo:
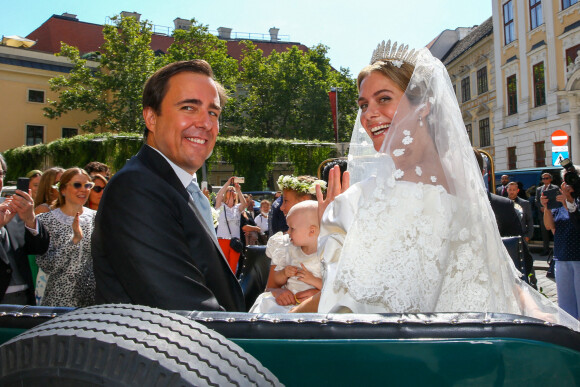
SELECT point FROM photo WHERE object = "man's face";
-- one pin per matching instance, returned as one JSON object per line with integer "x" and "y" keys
{"x": 512, "y": 191}
{"x": 547, "y": 179}
{"x": 186, "y": 130}
{"x": 505, "y": 179}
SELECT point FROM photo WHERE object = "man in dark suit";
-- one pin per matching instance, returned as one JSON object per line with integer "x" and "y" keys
{"x": 524, "y": 210}
{"x": 153, "y": 243}
{"x": 501, "y": 190}
{"x": 20, "y": 235}
{"x": 547, "y": 180}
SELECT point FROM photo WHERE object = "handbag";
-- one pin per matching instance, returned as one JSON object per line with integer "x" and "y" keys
{"x": 235, "y": 242}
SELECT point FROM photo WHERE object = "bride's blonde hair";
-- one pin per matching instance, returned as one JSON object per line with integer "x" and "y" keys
{"x": 400, "y": 75}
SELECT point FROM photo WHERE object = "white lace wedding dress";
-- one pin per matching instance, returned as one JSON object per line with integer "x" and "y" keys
{"x": 402, "y": 266}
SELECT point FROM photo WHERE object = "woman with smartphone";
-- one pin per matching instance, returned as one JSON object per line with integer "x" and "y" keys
{"x": 566, "y": 248}
{"x": 230, "y": 203}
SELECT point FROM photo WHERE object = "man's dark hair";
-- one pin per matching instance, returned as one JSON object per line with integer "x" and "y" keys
{"x": 156, "y": 86}
{"x": 96, "y": 166}
{"x": 479, "y": 159}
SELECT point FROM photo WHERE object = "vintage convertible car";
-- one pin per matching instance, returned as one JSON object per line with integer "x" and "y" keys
{"x": 134, "y": 345}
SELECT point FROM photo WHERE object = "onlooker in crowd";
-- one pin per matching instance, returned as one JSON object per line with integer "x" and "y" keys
{"x": 97, "y": 168}
{"x": 34, "y": 182}
{"x": 524, "y": 211}
{"x": 262, "y": 221}
{"x": 295, "y": 260}
{"x": 20, "y": 235}
{"x": 47, "y": 192}
{"x": 68, "y": 261}
{"x": 154, "y": 241}
{"x": 248, "y": 224}
{"x": 276, "y": 218}
{"x": 547, "y": 184}
{"x": 230, "y": 203}
{"x": 277, "y": 194}
{"x": 97, "y": 191}
{"x": 566, "y": 251}
{"x": 502, "y": 189}
{"x": 521, "y": 193}
{"x": 342, "y": 164}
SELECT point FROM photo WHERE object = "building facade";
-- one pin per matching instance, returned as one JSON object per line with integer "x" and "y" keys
{"x": 536, "y": 44}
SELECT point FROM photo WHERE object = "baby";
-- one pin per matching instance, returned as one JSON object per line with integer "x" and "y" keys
{"x": 297, "y": 266}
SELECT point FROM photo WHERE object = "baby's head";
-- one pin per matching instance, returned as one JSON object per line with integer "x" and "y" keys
{"x": 303, "y": 225}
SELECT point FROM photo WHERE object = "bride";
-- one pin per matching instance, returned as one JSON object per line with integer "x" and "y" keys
{"x": 415, "y": 233}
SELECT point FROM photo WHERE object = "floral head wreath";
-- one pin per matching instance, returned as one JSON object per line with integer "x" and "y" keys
{"x": 395, "y": 55}
{"x": 300, "y": 185}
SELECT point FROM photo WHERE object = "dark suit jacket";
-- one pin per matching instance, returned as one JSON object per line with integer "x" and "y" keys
{"x": 506, "y": 216}
{"x": 499, "y": 190}
{"x": 151, "y": 247}
{"x": 527, "y": 220}
{"x": 23, "y": 243}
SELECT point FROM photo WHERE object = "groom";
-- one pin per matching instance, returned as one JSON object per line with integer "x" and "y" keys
{"x": 154, "y": 242}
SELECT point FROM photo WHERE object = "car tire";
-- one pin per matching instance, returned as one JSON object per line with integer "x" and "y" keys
{"x": 126, "y": 345}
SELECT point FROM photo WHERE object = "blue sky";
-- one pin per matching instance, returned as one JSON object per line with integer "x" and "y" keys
{"x": 351, "y": 29}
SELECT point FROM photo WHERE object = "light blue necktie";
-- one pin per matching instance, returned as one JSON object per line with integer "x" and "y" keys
{"x": 201, "y": 203}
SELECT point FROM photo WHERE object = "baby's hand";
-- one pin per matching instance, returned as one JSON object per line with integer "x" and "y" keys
{"x": 290, "y": 271}
{"x": 285, "y": 297}
{"x": 307, "y": 277}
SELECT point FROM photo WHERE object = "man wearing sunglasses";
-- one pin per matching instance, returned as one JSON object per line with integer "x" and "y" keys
{"x": 546, "y": 185}
{"x": 154, "y": 243}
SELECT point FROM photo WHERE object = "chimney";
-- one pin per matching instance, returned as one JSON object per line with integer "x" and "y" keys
{"x": 182, "y": 24}
{"x": 136, "y": 15}
{"x": 70, "y": 16}
{"x": 224, "y": 33}
{"x": 274, "y": 34}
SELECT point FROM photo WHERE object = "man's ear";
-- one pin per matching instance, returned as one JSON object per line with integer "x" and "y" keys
{"x": 150, "y": 118}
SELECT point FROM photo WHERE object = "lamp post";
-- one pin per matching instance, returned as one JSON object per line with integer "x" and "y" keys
{"x": 336, "y": 90}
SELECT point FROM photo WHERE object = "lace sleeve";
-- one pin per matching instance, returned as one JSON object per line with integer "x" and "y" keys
{"x": 277, "y": 249}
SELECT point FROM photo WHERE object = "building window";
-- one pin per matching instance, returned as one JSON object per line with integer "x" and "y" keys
{"x": 512, "y": 157}
{"x": 465, "y": 90}
{"x": 540, "y": 154}
{"x": 34, "y": 134}
{"x": 539, "y": 84}
{"x": 484, "y": 137}
{"x": 69, "y": 132}
{"x": 536, "y": 18}
{"x": 508, "y": 22}
{"x": 469, "y": 132}
{"x": 36, "y": 96}
{"x": 568, "y": 3}
{"x": 482, "y": 80}
{"x": 572, "y": 54}
{"x": 512, "y": 94}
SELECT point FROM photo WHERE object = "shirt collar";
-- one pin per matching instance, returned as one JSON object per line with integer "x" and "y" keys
{"x": 185, "y": 177}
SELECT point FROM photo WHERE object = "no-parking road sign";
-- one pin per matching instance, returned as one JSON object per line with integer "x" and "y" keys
{"x": 559, "y": 138}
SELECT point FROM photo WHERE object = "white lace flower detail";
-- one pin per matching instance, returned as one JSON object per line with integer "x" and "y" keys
{"x": 407, "y": 140}
{"x": 432, "y": 100}
{"x": 398, "y": 174}
{"x": 361, "y": 130}
{"x": 390, "y": 182}
{"x": 418, "y": 170}
{"x": 350, "y": 157}
{"x": 398, "y": 152}
{"x": 433, "y": 179}
{"x": 463, "y": 234}
{"x": 364, "y": 143}
{"x": 406, "y": 132}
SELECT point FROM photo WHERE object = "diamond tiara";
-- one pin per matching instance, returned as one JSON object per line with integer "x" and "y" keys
{"x": 396, "y": 55}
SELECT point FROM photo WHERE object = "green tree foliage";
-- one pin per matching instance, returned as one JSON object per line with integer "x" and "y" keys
{"x": 198, "y": 43}
{"x": 285, "y": 95}
{"x": 111, "y": 91}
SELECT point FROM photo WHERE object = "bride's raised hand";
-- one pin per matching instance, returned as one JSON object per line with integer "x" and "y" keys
{"x": 334, "y": 189}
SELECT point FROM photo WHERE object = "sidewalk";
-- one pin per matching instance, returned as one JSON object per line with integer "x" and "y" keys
{"x": 547, "y": 286}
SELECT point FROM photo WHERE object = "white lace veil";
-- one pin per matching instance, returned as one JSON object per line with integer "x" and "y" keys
{"x": 427, "y": 145}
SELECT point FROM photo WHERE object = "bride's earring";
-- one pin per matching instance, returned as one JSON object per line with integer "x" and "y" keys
{"x": 420, "y": 121}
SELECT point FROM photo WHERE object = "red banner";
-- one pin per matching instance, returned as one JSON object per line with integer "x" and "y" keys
{"x": 332, "y": 96}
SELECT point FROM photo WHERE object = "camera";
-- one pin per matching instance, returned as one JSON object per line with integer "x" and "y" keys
{"x": 571, "y": 177}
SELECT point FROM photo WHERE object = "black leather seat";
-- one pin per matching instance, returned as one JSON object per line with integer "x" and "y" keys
{"x": 253, "y": 275}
